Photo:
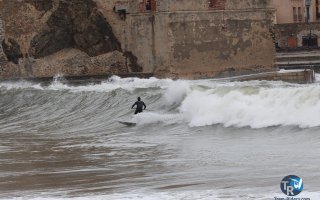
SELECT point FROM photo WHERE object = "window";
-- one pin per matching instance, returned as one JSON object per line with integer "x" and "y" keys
{"x": 217, "y": 4}
{"x": 310, "y": 41}
{"x": 295, "y": 16}
{"x": 317, "y": 9}
{"x": 148, "y": 5}
{"x": 299, "y": 14}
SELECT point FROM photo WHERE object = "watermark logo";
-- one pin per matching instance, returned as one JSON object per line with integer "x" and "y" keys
{"x": 291, "y": 185}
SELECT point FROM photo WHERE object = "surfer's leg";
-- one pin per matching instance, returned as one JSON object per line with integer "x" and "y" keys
{"x": 137, "y": 111}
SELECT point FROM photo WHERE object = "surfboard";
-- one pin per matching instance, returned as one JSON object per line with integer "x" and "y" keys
{"x": 127, "y": 123}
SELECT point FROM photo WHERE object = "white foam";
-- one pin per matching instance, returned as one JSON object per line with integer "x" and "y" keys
{"x": 156, "y": 117}
{"x": 110, "y": 84}
{"x": 176, "y": 92}
{"x": 262, "y": 107}
{"x": 20, "y": 85}
{"x": 113, "y": 83}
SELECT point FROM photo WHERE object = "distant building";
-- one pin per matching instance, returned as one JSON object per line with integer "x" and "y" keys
{"x": 297, "y": 24}
{"x": 296, "y": 11}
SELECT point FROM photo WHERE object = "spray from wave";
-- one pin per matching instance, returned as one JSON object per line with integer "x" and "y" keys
{"x": 258, "y": 108}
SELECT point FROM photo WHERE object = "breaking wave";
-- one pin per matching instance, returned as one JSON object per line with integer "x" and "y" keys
{"x": 256, "y": 104}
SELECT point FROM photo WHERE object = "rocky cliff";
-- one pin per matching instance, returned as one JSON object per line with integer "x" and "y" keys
{"x": 43, "y": 38}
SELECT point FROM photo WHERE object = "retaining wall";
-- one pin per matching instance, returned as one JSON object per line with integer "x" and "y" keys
{"x": 292, "y": 76}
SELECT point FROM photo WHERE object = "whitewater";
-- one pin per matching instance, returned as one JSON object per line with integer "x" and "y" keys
{"x": 199, "y": 139}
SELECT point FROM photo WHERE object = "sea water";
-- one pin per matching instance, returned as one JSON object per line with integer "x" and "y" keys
{"x": 204, "y": 139}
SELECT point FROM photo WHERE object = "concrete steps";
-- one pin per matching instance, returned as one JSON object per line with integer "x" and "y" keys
{"x": 299, "y": 60}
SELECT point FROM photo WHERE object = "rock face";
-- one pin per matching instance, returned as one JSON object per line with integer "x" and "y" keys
{"x": 71, "y": 62}
{"x": 12, "y": 50}
{"x": 41, "y": 5}
{"x": 37, "y": 33}
{"x": 75, "y": 24}
{"x": 3, "y": 57}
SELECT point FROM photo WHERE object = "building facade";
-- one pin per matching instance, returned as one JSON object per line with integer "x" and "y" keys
{"x": 196, "y": 39}
{"x": 297, "y": 24}
{"x": 296, "y": 11}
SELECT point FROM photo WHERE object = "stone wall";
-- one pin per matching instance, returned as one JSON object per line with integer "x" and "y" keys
{"x": 217, "y": 43}
{"x": 207, "y": 42}
{"x": 291, "y": 76}
{"x": 289, "y": 36}
{"x": 136, "y": 6}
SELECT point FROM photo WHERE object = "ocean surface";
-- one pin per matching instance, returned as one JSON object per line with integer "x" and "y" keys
{"x": 203, "y": 139}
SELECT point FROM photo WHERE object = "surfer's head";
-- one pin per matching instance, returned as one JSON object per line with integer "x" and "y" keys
{"x": 139, "y": 99}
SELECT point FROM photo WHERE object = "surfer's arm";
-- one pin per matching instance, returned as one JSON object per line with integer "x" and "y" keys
{"x": 133, "y": 105}
{"x": 144, "y": 106}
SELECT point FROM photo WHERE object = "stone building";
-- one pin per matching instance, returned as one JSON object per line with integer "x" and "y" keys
{"x": 296, "y": 11}
{"x": 194, "y": 39}
{"x": 297, "y": 24}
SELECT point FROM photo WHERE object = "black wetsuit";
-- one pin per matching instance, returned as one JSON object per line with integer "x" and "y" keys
{"x": 140, "y": 105}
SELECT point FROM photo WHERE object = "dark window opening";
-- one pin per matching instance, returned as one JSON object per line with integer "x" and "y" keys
{"x": 310, "y": 41}
{"x": 299, "y": 14}
{"x": 308, "y": 14}
{"x": 148, "y": 5}
{"x": 318, "y": 13}
{"x": 317, "y": 9}
{"x": 211, "y": 3}
{"x": 295, "y": 16}
{"x": 217, "y": 4}
{"x": 151, "y": 5}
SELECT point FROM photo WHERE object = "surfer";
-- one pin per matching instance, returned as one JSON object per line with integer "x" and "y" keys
{"x": 140, "y": 104}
